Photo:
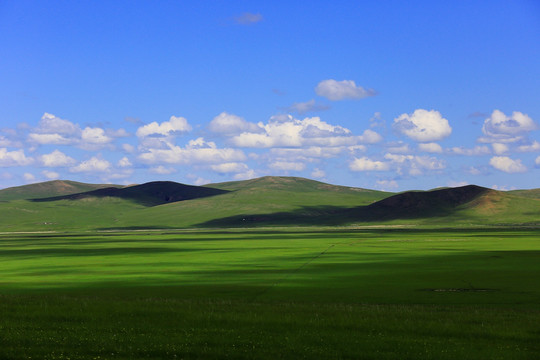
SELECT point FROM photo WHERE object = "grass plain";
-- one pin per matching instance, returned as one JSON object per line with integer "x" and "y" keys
{"x": 365, "y": 293}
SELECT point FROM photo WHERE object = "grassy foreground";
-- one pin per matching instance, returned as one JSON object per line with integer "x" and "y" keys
{"x": 372, "y": 294}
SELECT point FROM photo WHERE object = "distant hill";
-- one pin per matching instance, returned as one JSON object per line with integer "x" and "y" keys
{"x": 416, "y": 204}
{"x": 266, "y": 201}
{"x": 531, "y": 193}
{"x": 49, "y": 189}
{"x": 148, "y": 194}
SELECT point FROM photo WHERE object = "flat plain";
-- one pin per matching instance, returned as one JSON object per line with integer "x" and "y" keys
{"x": 327, "y": 292}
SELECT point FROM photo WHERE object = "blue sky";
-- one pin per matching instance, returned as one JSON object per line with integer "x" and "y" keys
{"x": 385, "y": 95}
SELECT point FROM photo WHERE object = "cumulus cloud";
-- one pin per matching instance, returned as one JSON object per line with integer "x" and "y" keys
{"x": 51, "y": 175}
{"x": 423, "y": 125}
{"x": 430, "y": 147}
{"x": 229, "y": 124}
{"x": 94, "y": 164}
{"x": 56, "y": 159}
{"x": 366, "y": 164}
{"x": 499, "y": 148}
{"x": 250, "y": 174}
{"x": 304, "y": 107}
{"x": 166, "y": 128}
{"x": 476, "y": 151}
{"x": 248, "y": 18}
{"x": 413, "y": 164}
{"x": 503, "y": 129}
{"x": 51, "y": 124}
{"x": 196, "y": 151}
{"x": 124, "y": 162}
{"x": 54, "y": 130}
{"x": 286, "y": 131}
{"x": 14, "y": 158}
{"x": 340, "y": 90}
{"x": 94, "y": 138}
{"x": 29, "y": 178}
{"x": 508, "y": 165}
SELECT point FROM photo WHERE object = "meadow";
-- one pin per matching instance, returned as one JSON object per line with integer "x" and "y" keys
{"x": 358, "y": 293}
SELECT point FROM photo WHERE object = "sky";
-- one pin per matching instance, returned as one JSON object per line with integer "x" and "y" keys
{"x": 387, "y": 95}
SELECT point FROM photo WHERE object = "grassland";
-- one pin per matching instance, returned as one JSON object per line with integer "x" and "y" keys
{"x": 369, "y": 293}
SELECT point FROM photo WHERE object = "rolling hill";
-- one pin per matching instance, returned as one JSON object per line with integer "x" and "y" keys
{"x": 266, "y": 201}
{"x": 49, "y": 189}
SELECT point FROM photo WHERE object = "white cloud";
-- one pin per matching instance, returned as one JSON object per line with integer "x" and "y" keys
{"x": 318, "y": 173}
{"x": 304, "y": 107}
{"x": 341, "y": 90}
{"x": 162, "y": 170}
{"x": 166, "y": 128}
{"x": 54, "y": 130}
{"x": 423, "y": 125}
{"x": 499, "y": 148}
{"x": 506, "y": 164}
{"x": 413, "y": 164}
{"x": 94, "y": 164}
{"x": 231, "y": 167}
{"x": 365, "y": 164}
{"x": 430, "y": 147}
{"x": 196, "y": 152}
{"x": 476, "y": 151}
{"x": 95, "y": 136}
{"x": 5, "y": 142}
{"x": 52, "y": 139}
{"x": 29, "y": 178}
{"x": 51, "y": 124}
{"x": 56, "y": 159}
{"x": 501, "y": 128}
{"x": 537, "y": 161}
{"x": 230, "y": 124}
{"x": 285, "y": 131}
{"x": 124, "y": 162}
{"x": 14, "y": 158}
{"x": 51, "y": 175}
{"x": 250, "y": 174}
{"x": 535, "y": 146}
{"x": 287, "y": 166}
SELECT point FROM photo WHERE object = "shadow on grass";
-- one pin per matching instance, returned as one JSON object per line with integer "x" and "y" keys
{"x": 149, "y": 194}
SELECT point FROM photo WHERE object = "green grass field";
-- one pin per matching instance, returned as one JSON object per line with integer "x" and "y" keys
{"x": 276, "y": 293}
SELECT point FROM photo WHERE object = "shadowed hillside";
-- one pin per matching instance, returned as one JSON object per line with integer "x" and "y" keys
{"x": 416, "y": 204}
{"x": 149, "y": 194}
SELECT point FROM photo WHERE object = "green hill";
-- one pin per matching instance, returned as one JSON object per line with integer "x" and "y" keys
{"x": 266, "y": 201}
{"x": 48, "y": 189}
{"x": 258, "y": 201}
